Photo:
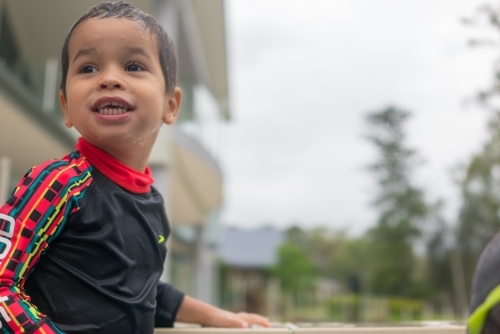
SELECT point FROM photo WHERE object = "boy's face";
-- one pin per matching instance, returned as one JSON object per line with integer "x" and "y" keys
{"x": 115, "y": 88}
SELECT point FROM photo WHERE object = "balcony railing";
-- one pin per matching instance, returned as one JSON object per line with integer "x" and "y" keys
{"x": 322, "y": 330}
{"x": 34, "y": 87}
{"x": 39, "y": 82}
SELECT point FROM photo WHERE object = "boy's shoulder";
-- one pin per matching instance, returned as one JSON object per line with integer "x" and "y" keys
{"x": 58, "y": 173}
{"x": 72, "y": 164}
{"x": 48, "y": 185}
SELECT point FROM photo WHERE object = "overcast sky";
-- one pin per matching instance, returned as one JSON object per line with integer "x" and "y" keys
{"x": 303, "y": 74}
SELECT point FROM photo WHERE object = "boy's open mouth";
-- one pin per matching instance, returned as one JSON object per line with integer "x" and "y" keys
{"x": 111, "y": 108}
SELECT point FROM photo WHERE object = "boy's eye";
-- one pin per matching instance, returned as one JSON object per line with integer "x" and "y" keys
{"x": 134, "y": 67}
{"x": 88, "y": 69}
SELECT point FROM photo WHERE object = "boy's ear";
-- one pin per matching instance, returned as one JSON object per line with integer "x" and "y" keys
{"x": 64, "y": 107}
{"x": 173, "y": 106}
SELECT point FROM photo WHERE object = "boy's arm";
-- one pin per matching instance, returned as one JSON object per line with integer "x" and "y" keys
{"x": 197, "y": 312}
{"x": 168, "y": 300}
{"x": 30, "y": 219}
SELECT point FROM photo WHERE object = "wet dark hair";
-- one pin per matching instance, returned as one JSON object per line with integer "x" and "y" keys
{"x": 120, "y": 9}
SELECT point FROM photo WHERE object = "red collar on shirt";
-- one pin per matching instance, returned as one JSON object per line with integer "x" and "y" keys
{"x": 119, "y": 173}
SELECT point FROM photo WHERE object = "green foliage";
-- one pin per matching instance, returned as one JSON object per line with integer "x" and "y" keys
{"x": 297, "y": 236}
{"x": 356, "y": 308}
{"x": 401, "y": 206}
{"x": 479, "y": 216}
{"x": 393, "y": 261}
{"x": 318, "y": 244}
{"x": 438, "y": 256}
{"x": 295, "y": 271}
{"x": 351, "y": 263}
{"x": 399, "y": 306}
{"x": 382, "y": 262}
{"x": 346, "y": 308}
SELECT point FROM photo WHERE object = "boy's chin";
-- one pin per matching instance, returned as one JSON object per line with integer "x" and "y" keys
{"x": 111, "y": 140}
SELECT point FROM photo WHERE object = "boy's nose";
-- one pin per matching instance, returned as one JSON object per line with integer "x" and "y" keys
{"x": 110, "y": 79}
{"x": 107, "y": 85}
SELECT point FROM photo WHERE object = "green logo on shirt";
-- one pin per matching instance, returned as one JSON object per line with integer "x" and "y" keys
{"x": 161, "y": 239}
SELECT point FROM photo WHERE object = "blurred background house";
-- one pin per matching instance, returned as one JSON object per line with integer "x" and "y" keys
{"x": 185, "y": 160}
{"x": 246, "y": 257}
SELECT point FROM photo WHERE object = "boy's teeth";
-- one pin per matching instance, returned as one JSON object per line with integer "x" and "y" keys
{"x": 112, "y": 108}
{"x": 112, "y": 111}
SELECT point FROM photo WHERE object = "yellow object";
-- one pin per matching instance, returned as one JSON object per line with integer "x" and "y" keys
{"x": 477, "y": 318}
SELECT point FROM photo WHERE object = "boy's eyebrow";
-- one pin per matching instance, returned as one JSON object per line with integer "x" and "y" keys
{"x": 137, "y": 50}
{"x": 129, "y": 49}
{"x": 84, "y": 52}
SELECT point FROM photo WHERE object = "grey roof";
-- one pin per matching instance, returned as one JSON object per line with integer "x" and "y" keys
{"x": 250, "y": 248}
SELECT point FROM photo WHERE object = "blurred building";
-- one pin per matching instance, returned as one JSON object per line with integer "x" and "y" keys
{"x": 246, "y": 257}
{"x": 185, "y": 160}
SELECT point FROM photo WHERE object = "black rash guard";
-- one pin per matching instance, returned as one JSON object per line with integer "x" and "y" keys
{"x": 84, "y": 247}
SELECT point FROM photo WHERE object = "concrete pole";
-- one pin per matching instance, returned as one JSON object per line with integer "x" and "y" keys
{"x": 50, "y": 85}
{"x": 273, "y": 292}
{"x": 204, "y": 267}
{"x": 5, "y": 164}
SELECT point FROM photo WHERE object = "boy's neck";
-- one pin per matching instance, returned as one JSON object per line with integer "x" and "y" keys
{"x": 132, "y": 155}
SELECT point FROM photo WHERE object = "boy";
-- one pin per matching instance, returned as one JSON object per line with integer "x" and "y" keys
{"x": 95, "y": 207}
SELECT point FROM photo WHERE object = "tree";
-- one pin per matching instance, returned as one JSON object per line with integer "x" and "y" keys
{"x": 295, "y": 271}
{"x": 441, "y": 284}
{"x": 350, "y": 263}
{"x": 479, "y": 216}
{"x": 401, "y": 206}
